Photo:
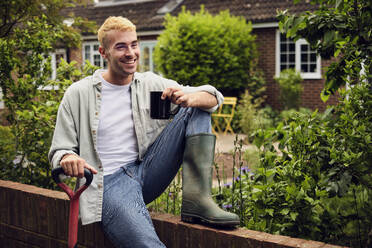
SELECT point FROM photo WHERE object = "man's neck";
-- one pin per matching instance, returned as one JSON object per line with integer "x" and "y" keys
{"x": 117, "y": 79}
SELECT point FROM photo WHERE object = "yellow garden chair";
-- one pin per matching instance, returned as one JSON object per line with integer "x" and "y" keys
{"x": 226, "y": 112}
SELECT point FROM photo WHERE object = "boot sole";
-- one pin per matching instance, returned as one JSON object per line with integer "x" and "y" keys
{"x": 197, "y": 219}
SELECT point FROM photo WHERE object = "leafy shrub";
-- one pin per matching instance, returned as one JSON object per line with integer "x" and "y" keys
{"x": 27, "y": 141}
{"x": 319, "y": 185}
{"x": 199, "y": 48}
{"x": 25, "y": 72}
{"x": 290, "y": 88}
{"x": 279, "y": 197}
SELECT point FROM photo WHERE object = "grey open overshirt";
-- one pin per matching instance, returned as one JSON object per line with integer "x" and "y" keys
{"x": 77, "y": 125}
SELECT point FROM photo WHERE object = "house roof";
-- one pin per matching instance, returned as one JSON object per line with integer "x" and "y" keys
{"x": 144, "y": 13}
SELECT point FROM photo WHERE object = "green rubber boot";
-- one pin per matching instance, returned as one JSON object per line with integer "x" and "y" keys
{"x": 197, "y": 202}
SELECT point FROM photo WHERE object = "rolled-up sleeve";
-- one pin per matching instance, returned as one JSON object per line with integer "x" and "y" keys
{"x": 192, "y": 89}
{"x": 211, "y": 90}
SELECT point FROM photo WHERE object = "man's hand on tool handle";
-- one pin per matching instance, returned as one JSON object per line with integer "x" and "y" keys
{"x": 74, "y": 165}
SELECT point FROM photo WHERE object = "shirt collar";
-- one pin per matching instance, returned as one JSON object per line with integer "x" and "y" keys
{"x": 97, "y": 81}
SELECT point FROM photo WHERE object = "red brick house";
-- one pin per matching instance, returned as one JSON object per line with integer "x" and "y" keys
{"x": 275, "y": 51}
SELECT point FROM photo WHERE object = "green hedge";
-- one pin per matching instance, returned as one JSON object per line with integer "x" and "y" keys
{"x": 200, "y": 48}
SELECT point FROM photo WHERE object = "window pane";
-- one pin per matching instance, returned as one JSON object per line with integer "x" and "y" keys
{"x": 97, "y": 60}
{"x": 313, "y": 57}
{"x": 292, "y": 47}
{"x": 312, "y": 67}
{"x": 304, "y": 57}
{"x": 283, "y": 47}
{"x": 283, "y": 58}
{"x": 304, "y": 48}
{"x": 87, "y": 52}
{"x": 95, "y": 47}
{"x": 292, "y": 58}
{"x": 304, "y": 68}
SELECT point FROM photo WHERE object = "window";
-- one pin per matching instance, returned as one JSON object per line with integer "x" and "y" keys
{"x": 91, "y": 53}
{"x": 298, "y": 55}
{"x": 56, "y": 59}
{"x": 146, "y": 59}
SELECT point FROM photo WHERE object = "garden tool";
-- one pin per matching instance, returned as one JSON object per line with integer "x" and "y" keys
{"x": 74, "y": 202}
{"x": 197, "y": 202}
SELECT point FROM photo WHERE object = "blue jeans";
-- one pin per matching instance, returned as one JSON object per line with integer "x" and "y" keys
{"x": 125, "y": 218}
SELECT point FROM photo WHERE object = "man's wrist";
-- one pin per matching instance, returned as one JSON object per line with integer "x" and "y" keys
{"x": 67, "y": 155}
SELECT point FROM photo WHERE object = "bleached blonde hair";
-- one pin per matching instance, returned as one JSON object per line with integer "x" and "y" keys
{"x": 114, "y": 23}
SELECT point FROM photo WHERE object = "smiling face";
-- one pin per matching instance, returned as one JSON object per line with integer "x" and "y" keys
{"x": 121, "y": 50}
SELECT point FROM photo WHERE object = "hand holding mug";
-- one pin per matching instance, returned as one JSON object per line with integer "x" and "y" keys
{"x": 160, "y": 107}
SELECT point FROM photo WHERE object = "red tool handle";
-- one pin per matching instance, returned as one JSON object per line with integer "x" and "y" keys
{"x": 74, "y": 202}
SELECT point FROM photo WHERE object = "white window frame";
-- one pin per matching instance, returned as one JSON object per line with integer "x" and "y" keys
{"x": 151, "y": 45}
{"x": 305, "y": 75}
{"x": 91, "y": 44}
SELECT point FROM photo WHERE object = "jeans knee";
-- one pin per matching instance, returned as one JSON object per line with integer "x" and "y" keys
{"x": 195, "y": 113}
{"x": 199, "y": 122}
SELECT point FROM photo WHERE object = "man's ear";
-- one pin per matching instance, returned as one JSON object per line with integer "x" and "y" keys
{"x": 102, "y": 51}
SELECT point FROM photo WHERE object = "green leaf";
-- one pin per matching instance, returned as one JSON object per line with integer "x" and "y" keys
{"x": 284, "y": 211}
{"x": 337, "y": 52}
{"x": 324, "y": 95}
{"x": 270, "y": 211}
{"x": 329, "y": 36}
{"x": 293, "y": 215}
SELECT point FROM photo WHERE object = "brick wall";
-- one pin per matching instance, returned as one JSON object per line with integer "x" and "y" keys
{"x": 265, "y": 39}
{"x": 35, "y": 217}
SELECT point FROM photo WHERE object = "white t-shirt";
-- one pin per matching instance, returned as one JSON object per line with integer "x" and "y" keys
{"x": 116, "y": 143}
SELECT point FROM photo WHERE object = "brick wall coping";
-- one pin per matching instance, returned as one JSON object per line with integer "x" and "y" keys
{"x": 38, "y": 217}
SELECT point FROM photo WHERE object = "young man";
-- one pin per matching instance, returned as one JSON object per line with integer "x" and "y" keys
{"x": 104, "y": 125}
